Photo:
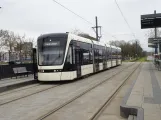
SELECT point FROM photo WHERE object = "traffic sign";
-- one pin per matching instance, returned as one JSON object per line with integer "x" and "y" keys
{"x": 152, "y": 45}
{"x": 150, "y": 21}
{"x": 154, "y": 40}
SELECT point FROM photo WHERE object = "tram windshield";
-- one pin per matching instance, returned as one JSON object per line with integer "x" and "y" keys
{"x": 51, "y": 51}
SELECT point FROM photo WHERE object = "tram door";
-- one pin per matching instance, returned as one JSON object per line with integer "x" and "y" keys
{"x": 35, "y": 69}
{"x": 78, "y": 61}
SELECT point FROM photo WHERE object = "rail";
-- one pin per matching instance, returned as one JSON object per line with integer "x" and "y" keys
{"x": 81, "y": 94}
{"x": 102, "y": 108}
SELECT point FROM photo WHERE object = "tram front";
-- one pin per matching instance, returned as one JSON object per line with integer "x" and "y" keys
{"x": 51, "y": 55}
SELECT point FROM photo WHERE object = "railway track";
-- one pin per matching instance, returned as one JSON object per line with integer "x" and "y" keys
{"x": 32, "y": 105}
{"x": 102, "y": 108}
{"x": 3, "y": 102}
{"x": 29, "y": 88}
{"x": 19, "y": 89}
{"x": 45, "y": 116}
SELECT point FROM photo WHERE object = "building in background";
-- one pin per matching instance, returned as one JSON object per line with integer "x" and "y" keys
{"x": 24, "y": 54}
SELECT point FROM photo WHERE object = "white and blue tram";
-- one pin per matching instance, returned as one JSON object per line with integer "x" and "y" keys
{"x": 64, "y": 56}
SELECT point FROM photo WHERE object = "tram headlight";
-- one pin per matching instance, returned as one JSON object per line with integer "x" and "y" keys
{"x": 59, "y": 70}
{"x": 41, "y": 70}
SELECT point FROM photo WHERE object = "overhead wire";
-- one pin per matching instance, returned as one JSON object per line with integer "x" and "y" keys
{"x": 73, "y": 12}
{"x": 79, "y": 16}
{"x": 125, "y": 19}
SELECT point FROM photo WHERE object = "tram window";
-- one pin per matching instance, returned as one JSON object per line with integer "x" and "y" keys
{"x": 51, "y": 51}
{"x": 91, "y": 56}
{"x": 107, "y": 53}
{"x": 119, "y": 54}
{"x": 116, "y": 53}
{"x": 69, "y": 55}
{"x": 85, "y": 57}
{"x": 73, "y": 55}
{"x": 85, "y": 52}
{"x": 100, "y": 55}
{"x": 96, "y": 55}
{"x": 104, "y": 55}
{"x": 72, "y": 45}
{"x": 112, "y": 53}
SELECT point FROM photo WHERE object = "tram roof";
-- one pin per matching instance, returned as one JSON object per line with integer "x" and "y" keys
{"x": 53, "y": 35}
{"x": 76, "y": 37}
{"x": 119, "y": 48}
{"x": 107, "y": 45}
{"x": 113, "y": 47}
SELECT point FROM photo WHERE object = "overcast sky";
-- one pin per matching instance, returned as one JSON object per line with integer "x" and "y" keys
{"x": 35, "y": 17}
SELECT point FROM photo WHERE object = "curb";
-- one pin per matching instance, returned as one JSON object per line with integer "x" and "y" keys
{"x": 126, "y": 110}
{"x": 17, "y": 85}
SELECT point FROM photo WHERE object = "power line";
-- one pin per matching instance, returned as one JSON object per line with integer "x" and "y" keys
{"x": 125, "y": 19}
{"x": 110, "y": 35}
{"x": 73, "y": 12}
{"x": 79, "y": 16}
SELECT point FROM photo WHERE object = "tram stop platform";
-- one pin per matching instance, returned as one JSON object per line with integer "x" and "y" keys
{"x": 143, "y": 99}
{"x": 9, "y": 84}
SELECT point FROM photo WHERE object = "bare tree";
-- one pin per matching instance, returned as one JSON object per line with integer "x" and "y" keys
{"x": 27, "y": 47}
{"x": 16, "y": 44}
{"x": 129, "y": 49}
{"x": 3, "y": 34}
{"x": 8, "y": 39}
{"x": 1, "y": 44}
{"x": 117, "y": 43}
{"x": 151, "y": 33}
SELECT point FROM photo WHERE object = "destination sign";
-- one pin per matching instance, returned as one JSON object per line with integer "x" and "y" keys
{"x": 150, "y": 21}
{"x": 53, "y": 43}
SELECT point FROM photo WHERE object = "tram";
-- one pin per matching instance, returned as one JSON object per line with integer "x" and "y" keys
{"x": 65, "y": 56}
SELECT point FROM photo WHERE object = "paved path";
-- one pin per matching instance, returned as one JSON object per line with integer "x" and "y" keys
{"x": 9, "y": 84}
{"x": 112, "y": 111}
{"x": 8, "y": 81}
{"x": 32, "y": 107}
{"x": 146, "y": 92}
